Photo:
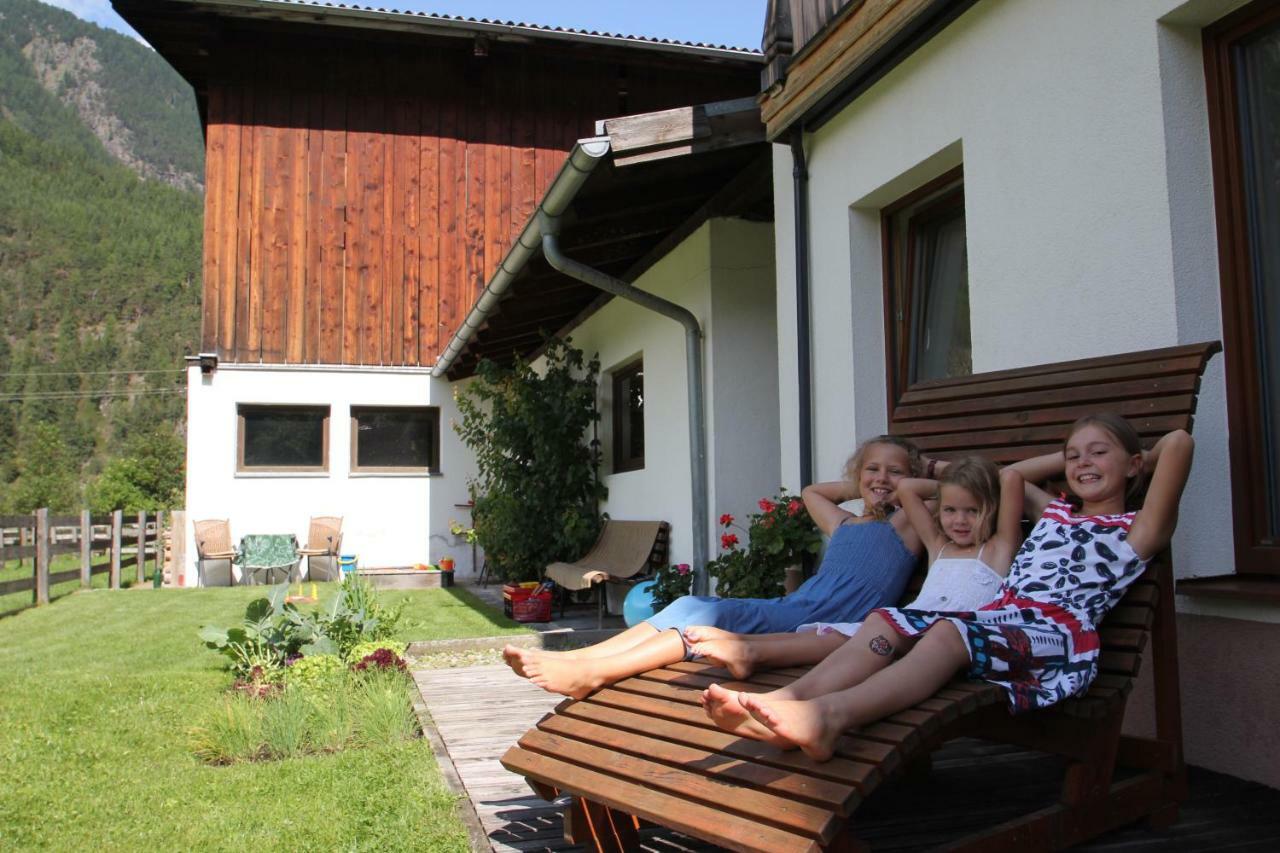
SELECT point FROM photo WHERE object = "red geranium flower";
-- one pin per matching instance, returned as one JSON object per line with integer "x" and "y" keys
{"x": 726, "y": 520}
{"x": 728, "y": 540}
{"x": 766, "y": 505}
{"x": 682, "y": 569}
{"x": 794, "y": 507}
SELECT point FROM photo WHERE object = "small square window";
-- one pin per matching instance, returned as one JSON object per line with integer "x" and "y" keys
{"x": 628, "y": 417}
{"x": 282, "y": 438}
{"x": 395, "y": 439}
{"x": 927, "y": 283}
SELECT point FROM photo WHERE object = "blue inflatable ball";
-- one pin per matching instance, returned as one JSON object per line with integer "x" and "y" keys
{"x": 638, "y": 605}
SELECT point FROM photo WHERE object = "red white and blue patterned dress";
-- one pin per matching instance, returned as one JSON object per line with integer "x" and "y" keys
{"x": 1038, "y": 639}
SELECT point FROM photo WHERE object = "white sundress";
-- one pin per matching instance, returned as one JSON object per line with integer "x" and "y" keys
{"x": 953, "y": 583}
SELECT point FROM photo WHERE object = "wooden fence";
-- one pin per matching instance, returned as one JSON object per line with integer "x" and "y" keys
{"x": 127, "y": 542}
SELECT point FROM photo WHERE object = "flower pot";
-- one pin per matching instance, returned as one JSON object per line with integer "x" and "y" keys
{"x": 446, "y": 564}
{"x": 792, "y": 577}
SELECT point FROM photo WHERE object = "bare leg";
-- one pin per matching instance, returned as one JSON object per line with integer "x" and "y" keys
{"x": 743, "y": 655}
{"x": 628, "y": 639}
{"x": 815, "y": 725}
{"x": 852, "y": 662}
{"x": 577, "y": 677}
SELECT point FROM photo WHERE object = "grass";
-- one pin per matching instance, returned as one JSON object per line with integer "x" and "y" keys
{"x": 15, "y": 569}
{"x": 102, "y": 691}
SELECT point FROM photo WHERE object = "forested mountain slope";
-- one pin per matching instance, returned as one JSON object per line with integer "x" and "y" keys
{"x": 100, "y": 225}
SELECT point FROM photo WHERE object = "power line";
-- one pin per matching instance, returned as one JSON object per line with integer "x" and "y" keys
{"x": 85, "y": 395}
{"x": 95, "y": 372}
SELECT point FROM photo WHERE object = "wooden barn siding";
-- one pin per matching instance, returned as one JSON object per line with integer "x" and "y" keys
{"x": 353, "y": 218}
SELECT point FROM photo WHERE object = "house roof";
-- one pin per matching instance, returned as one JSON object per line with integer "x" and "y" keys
{"x": 490, "y": 26}
{"x": 426, "y": 23}
{"x": 658, "y": 177}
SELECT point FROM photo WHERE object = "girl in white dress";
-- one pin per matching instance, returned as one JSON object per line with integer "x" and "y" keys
{"x": 971, "y": 534}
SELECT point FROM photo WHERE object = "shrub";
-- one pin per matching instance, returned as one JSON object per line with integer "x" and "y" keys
{"x": 537, "y": 487}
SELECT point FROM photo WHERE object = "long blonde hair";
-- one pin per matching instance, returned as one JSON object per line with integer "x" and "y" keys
{"x": 853, "y": 467}
{"x": 979, "y": 477}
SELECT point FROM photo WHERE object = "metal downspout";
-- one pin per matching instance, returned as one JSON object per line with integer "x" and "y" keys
{"x": 800, "y": 193}
{"x": 550, "y": 228}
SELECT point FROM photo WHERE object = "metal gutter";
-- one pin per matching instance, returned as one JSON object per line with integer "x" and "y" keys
{"x": 804, "y": 383}
{"x": 694, "y": 381}
{"x": 367, "y": 16}
{"x": 578, "y": 166}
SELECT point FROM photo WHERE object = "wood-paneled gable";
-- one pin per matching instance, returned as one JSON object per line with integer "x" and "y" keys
{"x": 360, "y": 194}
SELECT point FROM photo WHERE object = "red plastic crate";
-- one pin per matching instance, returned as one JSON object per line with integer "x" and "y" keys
{"x": 521, "y": 603}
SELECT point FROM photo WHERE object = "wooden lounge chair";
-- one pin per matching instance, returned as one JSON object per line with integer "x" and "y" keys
{"x": 624, "y": 550}
{"x": 214, "y": 552}
{"x": 642, "y": 750}
{"x": 324, "y": 540}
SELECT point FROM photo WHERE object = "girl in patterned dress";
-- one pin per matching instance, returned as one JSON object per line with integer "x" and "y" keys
{"x": 1038, "y": 640}
{"x": 970, "y": 530}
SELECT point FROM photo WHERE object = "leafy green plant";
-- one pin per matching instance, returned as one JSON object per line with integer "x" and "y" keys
{"x": 360, "y": 650}
{"x": 258, "y": 646}
{"x": 274, "y": 630}
{"x": 670, "y": 583}
{"x": 537, "y": 488}
{"x": 357, "y": 615}
{"x": 779, "y": 535}
{"x": 314, "y": 672}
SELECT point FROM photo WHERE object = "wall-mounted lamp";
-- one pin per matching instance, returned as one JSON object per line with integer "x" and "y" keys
{"x": 208, "y": 362}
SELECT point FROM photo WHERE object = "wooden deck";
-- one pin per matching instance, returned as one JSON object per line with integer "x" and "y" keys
{"x": 473, "y": 714}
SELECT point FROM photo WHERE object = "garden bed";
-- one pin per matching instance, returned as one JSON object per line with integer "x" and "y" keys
{"x": 102, "y": 691}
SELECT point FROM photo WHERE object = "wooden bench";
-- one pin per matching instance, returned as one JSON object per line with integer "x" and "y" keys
{"x": 643, "y": 750}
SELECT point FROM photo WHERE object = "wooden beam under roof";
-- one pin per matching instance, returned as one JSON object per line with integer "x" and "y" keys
{"x": 684, "y": 130}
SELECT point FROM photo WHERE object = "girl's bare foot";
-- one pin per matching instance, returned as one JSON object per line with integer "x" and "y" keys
{"x": 736, "y": 655}
{"x": 726, "y": 711}
{"x": 516, "y": 656}
{"x": 702, "y": 633}
{"x": 795, "y": 723}
{"x": 568, "y": 677}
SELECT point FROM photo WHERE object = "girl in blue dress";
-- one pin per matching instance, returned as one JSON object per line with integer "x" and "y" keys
{"x": 867, "y": 565}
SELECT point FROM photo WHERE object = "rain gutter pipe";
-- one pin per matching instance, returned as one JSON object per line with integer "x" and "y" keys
{"x": 578, "y": 166}
{"x": 550, "y": 227}
{"x": 804, "y": 384}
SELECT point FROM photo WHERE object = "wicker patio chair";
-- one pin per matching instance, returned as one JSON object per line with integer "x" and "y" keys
{"x": 214, "y": 552}
{"x": 324, "y": 539}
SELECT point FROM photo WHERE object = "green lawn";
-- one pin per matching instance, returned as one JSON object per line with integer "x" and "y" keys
{"x": 100, "y": 691}
{"x": 15, "y": 569}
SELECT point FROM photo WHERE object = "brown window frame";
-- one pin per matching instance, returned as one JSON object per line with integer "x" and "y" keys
{"x": 1254, "y": 552}
{"x": 947, "y": 192}
{"x": 433, "y": 467}
{"x": 241, "y": 468}
{"x": 623, "y": 463}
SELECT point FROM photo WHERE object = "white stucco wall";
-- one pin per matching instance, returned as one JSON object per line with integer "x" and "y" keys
{"x": 723, "y": 273}
{"x": 387, "y": 520}
{"x": 1082, "y": 130}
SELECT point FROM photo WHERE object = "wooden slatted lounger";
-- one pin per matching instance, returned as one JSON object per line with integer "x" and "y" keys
{"x": 643, "y": 750}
